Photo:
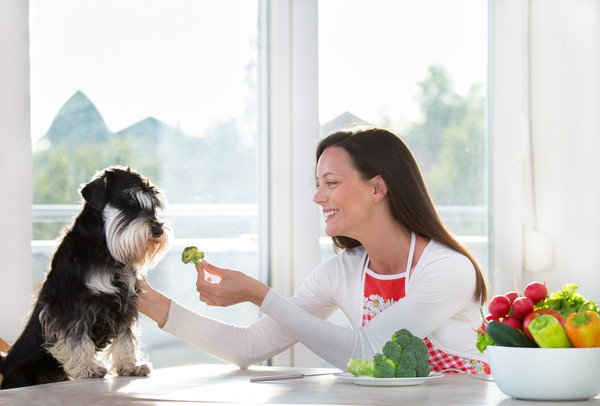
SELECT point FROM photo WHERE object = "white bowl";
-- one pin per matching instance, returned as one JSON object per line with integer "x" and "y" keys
{"x": 546, "y": 373}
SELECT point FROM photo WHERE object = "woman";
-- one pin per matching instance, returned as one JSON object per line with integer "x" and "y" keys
{"x": 398, "y": 267}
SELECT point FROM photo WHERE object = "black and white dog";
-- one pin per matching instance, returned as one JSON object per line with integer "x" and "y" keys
{"x": 88, "y": 300}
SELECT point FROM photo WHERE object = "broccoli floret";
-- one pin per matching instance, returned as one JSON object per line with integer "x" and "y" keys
{"x": 383, "y": 367}
{"x": 422, "y": 370}
{"x": 422, "y": 358}
{"x": 392, "y": 351}
{"x": 418, "y": 347}
{"x": 405, "y": 372}
{"x": 408, "y": 360}
{"x": 404, "y": 356}
{"x": 401, "y": 337}
{"x": 414, "y": 356}
{"x": 359, "y": 366}
{"x": 192, "y": 254}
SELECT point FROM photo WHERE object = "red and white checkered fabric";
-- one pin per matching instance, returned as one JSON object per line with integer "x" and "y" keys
{"x": 442, "y": 361}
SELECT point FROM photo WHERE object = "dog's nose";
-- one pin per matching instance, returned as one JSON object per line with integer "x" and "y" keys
{"x": 157, "y": 230}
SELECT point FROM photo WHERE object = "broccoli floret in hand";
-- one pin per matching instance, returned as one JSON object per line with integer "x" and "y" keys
{"x": 359, "y": 366}
{"x": 192, "y": 254}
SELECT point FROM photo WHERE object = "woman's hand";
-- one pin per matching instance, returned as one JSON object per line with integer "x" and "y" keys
{"x": 234, "y": 287}
{"x": 152, "y": 303}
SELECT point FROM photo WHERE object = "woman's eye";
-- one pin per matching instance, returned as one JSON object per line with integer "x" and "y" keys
{"x": 328, "y": 184}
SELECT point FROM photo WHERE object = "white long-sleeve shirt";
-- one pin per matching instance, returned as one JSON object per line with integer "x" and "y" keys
{"x": 438, "y": 305}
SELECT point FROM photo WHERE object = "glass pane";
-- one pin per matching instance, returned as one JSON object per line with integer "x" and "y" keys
{"x": 168, "y": 87}
{"x": 418, "y": 68}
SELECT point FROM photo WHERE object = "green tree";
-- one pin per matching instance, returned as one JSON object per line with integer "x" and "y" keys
{"x": 449, "y": 140}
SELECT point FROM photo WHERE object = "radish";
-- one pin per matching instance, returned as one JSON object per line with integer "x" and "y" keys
{"x": 512, "y": 296}
{"x": 536, "y": 292}
{"x": 512, "y": 321}
{"x": 499, "y": 306}
{"x": 483, "y": 327}
{"x": 521, "y": 307}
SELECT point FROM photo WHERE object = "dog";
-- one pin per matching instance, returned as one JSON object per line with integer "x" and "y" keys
{"x": 87, "y": 303}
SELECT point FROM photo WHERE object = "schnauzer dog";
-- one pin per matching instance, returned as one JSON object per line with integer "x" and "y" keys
{"x": 88, "y": 300}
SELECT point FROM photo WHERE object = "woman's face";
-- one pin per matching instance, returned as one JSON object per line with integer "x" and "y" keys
{"x": 345, "y": 198}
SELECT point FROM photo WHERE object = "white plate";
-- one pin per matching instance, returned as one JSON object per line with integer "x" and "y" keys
{"x": 370, "y": 381}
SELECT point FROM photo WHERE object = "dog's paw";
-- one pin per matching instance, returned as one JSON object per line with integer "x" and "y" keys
{"x": 135, "y": 369}
{"x": 94, "y": 371}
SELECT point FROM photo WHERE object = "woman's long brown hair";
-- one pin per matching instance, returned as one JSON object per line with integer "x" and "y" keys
{"x": 376, "y": 151}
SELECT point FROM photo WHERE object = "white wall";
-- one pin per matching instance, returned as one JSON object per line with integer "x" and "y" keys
{"x": 546, "y": 141}
{"x": 15, "y": 168}
{"x": 565, "y": 125}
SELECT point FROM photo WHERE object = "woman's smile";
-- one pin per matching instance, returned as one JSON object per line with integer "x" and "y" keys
{"x": 329, "y": 214}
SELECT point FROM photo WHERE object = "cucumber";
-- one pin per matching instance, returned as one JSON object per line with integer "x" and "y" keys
{"x": 507, "y": 336}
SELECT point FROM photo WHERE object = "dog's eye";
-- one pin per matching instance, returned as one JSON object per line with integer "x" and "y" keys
{"x": 144, "y": 200}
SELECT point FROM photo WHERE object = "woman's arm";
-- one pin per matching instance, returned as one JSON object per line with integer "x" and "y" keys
{"x": 439, "y": 293}
{"x": 152, "y": 303}
{"x": 239, "y": 345}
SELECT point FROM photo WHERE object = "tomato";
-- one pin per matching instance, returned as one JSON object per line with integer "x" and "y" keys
{"x": 527, "y": 320}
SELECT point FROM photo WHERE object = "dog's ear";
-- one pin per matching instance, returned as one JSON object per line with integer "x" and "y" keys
{"x": 94, "y": 193}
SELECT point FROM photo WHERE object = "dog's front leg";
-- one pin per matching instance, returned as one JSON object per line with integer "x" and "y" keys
{"x": 125, "y": 357}
{"x": 77, "y": 354}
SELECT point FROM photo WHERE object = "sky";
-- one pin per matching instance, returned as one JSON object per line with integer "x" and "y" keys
{"x": 183, "y": 61}
{"x": 372, "y": 53}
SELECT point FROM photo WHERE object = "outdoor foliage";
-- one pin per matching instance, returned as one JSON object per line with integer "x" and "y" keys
{"x": 220, "y": 166}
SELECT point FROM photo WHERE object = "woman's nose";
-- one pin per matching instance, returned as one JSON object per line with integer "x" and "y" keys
{"x": 318, "y": 197}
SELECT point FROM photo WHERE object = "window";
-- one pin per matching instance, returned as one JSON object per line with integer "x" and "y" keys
{"x": 419, "y": 69}
{"x": 170, "y": 88}
{"x": 176, "y": 89}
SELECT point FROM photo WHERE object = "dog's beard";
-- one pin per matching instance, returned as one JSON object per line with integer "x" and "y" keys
{"x": 131, "y": 242}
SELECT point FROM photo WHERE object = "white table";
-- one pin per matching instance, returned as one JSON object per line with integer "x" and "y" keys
{"x": 226, "y": 384}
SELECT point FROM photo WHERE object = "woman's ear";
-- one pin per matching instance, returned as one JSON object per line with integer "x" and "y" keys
{"x": 380, "y": 189}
